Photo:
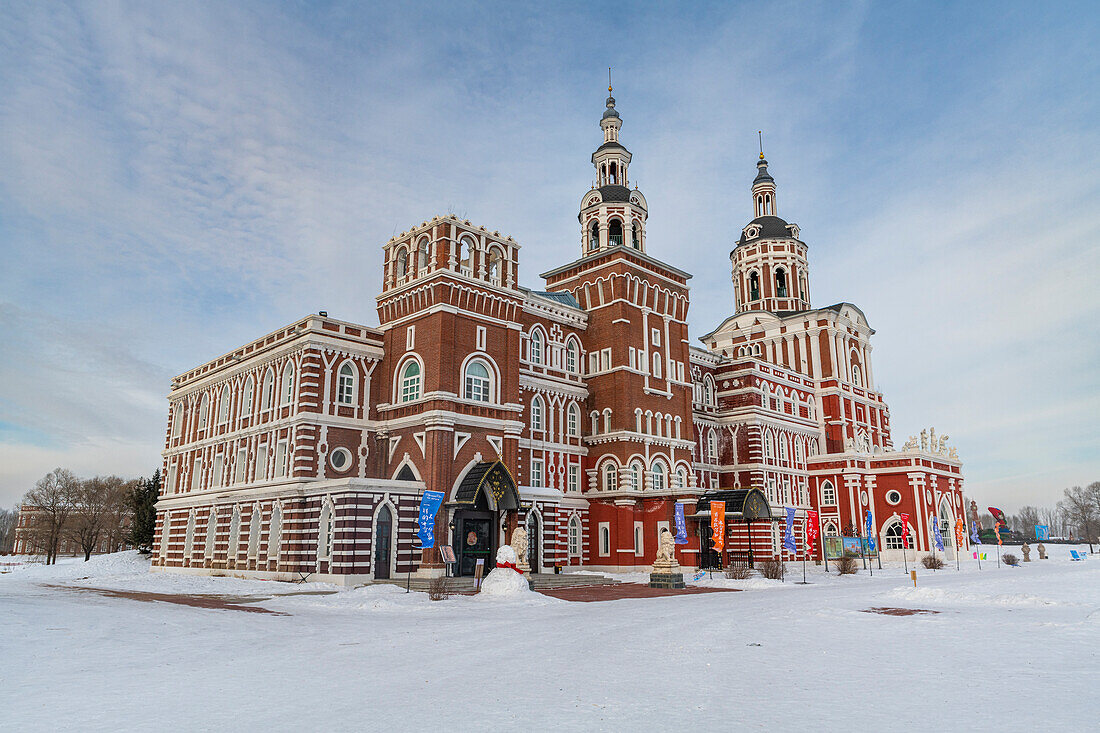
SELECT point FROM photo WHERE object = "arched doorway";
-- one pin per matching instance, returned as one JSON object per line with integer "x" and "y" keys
{"x": 484, "y": 494}
{"x": 533, "y": 539}
{"x": 383, "y": 542}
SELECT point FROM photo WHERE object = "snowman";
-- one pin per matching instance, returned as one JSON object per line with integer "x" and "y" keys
{"x": 505, "y": 579}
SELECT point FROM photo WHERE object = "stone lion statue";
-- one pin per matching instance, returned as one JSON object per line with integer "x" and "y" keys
{"x": 666, "y": 550}
{"x": 519, "y": 544}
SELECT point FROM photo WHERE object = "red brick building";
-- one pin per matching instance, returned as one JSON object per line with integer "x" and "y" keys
{"x": 583, "y": 405}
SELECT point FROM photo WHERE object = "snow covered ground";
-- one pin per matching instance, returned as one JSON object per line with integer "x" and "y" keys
{"x": 1010, "y": 647}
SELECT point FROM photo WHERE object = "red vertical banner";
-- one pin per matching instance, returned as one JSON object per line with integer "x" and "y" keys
{"x": 905, "y": 531}
{"x": 811, "y": 531}
{"x": 718, "y": 524}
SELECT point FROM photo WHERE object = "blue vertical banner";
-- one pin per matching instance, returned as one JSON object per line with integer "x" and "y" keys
{"x": 681, "y": 525}
{"x": 977, "y": 540}
{"x": 788, "y": 535}
{"x": 936, "y": 532}
{"x": 870, "y": 525}
{"x": 1042, "y": 532}
{"x": 429, "y": 505}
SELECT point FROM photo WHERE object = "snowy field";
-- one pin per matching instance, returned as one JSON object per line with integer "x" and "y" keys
{"x": 1009, "y": 649}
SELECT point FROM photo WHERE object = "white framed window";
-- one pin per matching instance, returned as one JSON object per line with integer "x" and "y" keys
{"x": 494, "y": 270}
{"x": 632, "y": 357}
{"x": 240, "y": 469}
{"x": 535, "y": 348}
{"x": 286, "y": 388}
{"x": 423, "y": 256}
{"x": 245, "y": 409}
{"x": 574, "y": 537}
{"x": 177, "y": 419}
{"x": 218, "y": 471}
{"x": 655, "y": 336}
{"x": 605, "y": 538}
{"x": 223, "y": 406}
{"x": 537, "y": 417}
{"x": 636, "y": 476}
{"x": 481, "y": 338}
{"x": 681, "y": 478}
{"x": 593, "y": 362}
{"x": 196, "y": 475}
{"x": 639, "y": 539}
{"x": 274, "y": 533}
{"x": 261, "y": 462}
{"x": 410, "y": 338}
{"x": 325, "y": 528}
{"x": 170, "y": 484}
{"x": 574, "y": 478}
{"x": 280, "y": 458}
{"x": 267, "y": 391}
{"x": 712, "y": 447}
{"x": 828, "y": 494}
{"x": 656, "y": 365}
{"x": 204, "y": 411}
{"x": 573, "y": 421}
{"x": 402, "y": 267}
{"x": 410, "y": 381}
{"x": 605, "y": 359}
{"x": 536, "y": 472}
{"x": 660, "y": 476}
{"x": 572, "y": 354}
{"x": 340, "y": 459}
{"x": 610, "y": 476}
{"x": 345, "y": 385}
{"x": 477, "y": 381}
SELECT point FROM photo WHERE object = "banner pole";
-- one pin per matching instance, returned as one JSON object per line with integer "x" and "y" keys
{"x": 409, "y": 572}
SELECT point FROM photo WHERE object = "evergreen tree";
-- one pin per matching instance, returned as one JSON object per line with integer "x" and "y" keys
{"x": 143, "y": 502}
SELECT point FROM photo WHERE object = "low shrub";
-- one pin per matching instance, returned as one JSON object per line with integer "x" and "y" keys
{"x": 847, "y": 564}
{"x": 738, "y": 571}
{"x": 439, "y": 588}
{"x": 932, "y": 562}
{"x": 772, "y": 569}
{"x": 1010, "y": 559}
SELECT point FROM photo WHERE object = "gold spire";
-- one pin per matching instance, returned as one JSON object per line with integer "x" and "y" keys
{"x": 760, "y": 134}
{"x": 609, "y": 80}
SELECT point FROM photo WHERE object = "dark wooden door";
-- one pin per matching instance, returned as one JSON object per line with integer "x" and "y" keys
{"x": 533, "y": 542}
{"x": 474, "y": 542}
{"x": 383, "y": 544}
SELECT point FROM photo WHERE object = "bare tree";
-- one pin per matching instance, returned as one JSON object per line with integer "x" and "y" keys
{"x": 1080, "y": 510}
{"x": 1026, "y": 520}
{"x": 51, "y": 502}
{"x": 8, "y": 520}
{"x": 119, "y": 515}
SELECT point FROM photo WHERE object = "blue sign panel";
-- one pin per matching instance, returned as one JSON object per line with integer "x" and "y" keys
{"x": 429, "y": 505}
{"x": 681, "y": 525}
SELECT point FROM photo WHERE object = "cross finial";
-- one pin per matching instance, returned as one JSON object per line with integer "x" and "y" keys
{"x": 760, "y": 136}
{"x": 609, "y": 80}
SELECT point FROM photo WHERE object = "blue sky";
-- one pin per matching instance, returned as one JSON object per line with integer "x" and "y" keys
{"x": 179, "y": 178}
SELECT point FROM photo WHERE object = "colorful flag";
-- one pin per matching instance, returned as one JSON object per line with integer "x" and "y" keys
{"x": 718, "y": 524}
{"x": 681, "y": 525}
{"x": 429, "y": 505}
{"x": 870, "y": 526}
{"x": 936, "y": 532}
{"x": 905, "y": 531}
{"x": 811, "y": 531}
{"x": 998, "y": 515}
{"x": 788, "y": 534}
{"x": 997, "y": 529}
{"x": 960, "y": 533}
{"x": 974, "y": 536}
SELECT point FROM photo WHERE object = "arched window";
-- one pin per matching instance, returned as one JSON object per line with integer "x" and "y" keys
{"x": 574, "y": 536}
{"x": 782, "y": 449}
{"x": 594, "y": 236}
{"x": 410, "y": 381}
{"x": 245, "y": 409}
{"x": 830, "y": 529}
{"x": 681, "y": 478}
{"x": 402, "y": 263}
{"x": 656, "y": 365}
{"x": 423, "y": 256}
{"x": 614, "y": 233}
{"x": 754, "y": 286}
{"x": 177, "y": 419}
{"x": 275, "y": 534}
{"x": 638, "y": 539}
{"x": 268, "y": 390}
{"x": 636, "y": 470}
{"x": 324, "y": 533}
{"x": 223, "y": 406}
{"x": 708, "y": 391}
{"x": 660, "y": 476}
{"x": 465, "y": 255}
{"x": 535, "y": 348}
{"x": 571, "y": 356}
{"x": 857, "y": 376}
{"x": 286, "y": 389}
{"x": 494, "y": 271}
{"x": 828, "y": 494}
{"x": 573, "y": 421}
{"x": 613, "y": 177}
{"x": 204, "y": 411}
{"x": 799, "y": 454}
{"x": 345, "y": 388}
{"x": 810, "y": 408}
{"x": 635, "y": 236}
{"x": 610, "y": 476}
{"x": 254, "y": 519}
{"x": 712, "y": 447}
{"x": 781, "y": 283}
{"x": 537, "y": 418}
{"x": 477, "y": 381}
{"x": 769, "y": 447}
{"x": 893, "y": 536}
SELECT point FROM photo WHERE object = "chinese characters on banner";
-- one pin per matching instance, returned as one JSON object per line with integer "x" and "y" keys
{"x": 718, "y": 524}
{"x": 788, "y": 533}
{"x": 811, "y": 531}
{"x": 870, "y": 525}
{"x": 429, "y": 505}
{"x": 681, "y": 537}
{"x": 905, "y": 531}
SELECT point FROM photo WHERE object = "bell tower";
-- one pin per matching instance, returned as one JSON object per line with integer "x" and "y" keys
{"x": 612, "y": 214}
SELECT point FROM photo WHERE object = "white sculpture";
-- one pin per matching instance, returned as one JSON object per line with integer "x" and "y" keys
{"x": 932, "y": 439}
{"x": 943, "y": 444}
{"x": 849, "y": 445}
{"x": 924, "y": 439}
{"x": 519, "y": 545}
{"x": 952, "y": 454}
{"x": 505, "y": 579}
{"x": 910, "y": 444}
{"x": 665, "y": 561}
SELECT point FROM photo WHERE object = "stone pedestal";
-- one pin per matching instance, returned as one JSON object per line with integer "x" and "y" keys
{"x": 666, "y": 580}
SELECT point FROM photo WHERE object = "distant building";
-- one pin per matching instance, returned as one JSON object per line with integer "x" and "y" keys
{"x": 28, "y": 537}
{"x": 580, "y": 409}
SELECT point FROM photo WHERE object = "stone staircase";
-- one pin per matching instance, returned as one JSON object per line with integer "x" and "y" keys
{"x": 539, "y": 581}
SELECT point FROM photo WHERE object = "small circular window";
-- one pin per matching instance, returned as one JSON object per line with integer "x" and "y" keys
{"x": 340, "y": 459}
{"x": 893, "y": 497}
{"x": 863, "y": 497}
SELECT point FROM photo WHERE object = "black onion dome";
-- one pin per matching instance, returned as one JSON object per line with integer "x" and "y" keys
{"x": 615, "y": 193}
{"x": 770, "y": 227}
{"x": 610, "y": 111}
{"x": 762, "y": 174}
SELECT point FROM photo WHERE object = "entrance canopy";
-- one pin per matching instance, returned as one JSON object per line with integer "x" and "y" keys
{"x": 493, "y": 476}
{"x": 743, "y": 504}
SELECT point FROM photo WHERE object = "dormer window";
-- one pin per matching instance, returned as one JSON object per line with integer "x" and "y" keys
{"x": 751, "y": 232}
